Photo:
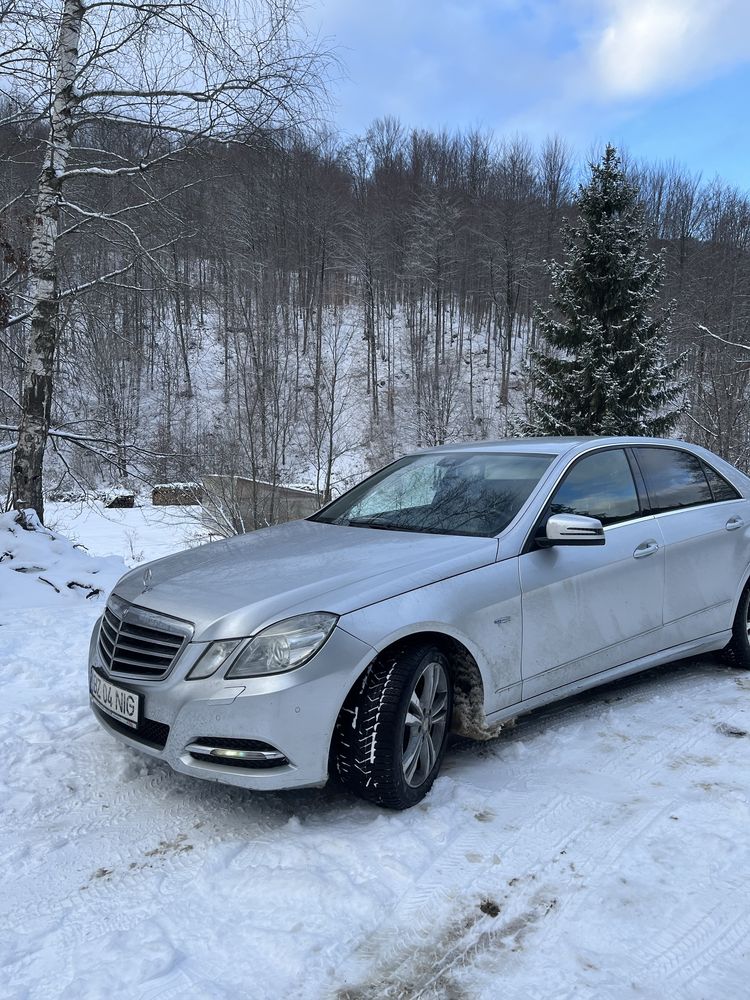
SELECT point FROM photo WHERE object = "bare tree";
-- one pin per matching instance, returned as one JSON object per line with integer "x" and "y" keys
{"x": 176, "y": 73}
{"x": 328, "y": 416}
{"x": 241, "y": 261}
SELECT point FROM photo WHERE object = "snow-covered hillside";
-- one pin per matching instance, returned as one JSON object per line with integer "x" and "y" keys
{"x": 597, "y": 850}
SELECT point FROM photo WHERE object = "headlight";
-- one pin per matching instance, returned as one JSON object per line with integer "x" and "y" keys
{"x": 210, "y": 661}
{"x": 284, "y": 646}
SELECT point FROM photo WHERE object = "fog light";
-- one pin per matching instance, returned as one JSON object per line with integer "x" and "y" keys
{"x": 255, "y": 753}
{"x": 243, "y": 754}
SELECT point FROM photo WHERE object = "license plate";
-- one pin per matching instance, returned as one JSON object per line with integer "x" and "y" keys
{"x": 123, "y": 705}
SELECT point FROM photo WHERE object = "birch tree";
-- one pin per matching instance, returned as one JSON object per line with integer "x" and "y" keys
{"x": 175, "y": 75}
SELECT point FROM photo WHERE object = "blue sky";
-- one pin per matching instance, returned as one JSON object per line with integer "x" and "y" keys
{"x": 668, "y": 79}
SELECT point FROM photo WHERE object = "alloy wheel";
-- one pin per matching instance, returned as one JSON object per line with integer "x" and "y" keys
{"x": 424, "y": 726}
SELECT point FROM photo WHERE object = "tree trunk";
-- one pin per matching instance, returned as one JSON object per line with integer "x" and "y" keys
{"x": 36, "y": 394}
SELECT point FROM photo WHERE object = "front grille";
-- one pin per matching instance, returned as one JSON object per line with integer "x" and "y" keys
{"x": 134, "y": 642}
{"x": 150, "y": 732}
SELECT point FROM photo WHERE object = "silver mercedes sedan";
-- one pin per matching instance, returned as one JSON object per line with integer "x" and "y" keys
{"x": 451, "y": 591}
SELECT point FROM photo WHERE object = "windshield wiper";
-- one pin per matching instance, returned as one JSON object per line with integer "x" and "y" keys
{"x": 374, "y": 522}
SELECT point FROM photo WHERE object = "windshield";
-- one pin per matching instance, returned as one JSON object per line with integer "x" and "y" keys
{"x": 454, "y": 493}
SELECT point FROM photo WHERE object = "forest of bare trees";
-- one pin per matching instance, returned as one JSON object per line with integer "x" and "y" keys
{"x": 302, "y": 307}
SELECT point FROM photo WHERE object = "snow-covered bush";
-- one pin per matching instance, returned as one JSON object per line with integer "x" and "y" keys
{"x": 40, "y": 567}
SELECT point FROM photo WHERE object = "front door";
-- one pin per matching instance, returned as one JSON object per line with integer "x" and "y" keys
{"x": 590, "y": 608}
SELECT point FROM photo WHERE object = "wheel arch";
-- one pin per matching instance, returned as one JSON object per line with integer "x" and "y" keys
{"x": 468, "y": 686}
{"x": 744, "y": 584}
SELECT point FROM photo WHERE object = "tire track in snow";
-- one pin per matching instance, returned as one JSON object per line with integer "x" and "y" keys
{"x": 434, "y": 933}
{"x": 393, "y": 952}
{"x": 440, "y": 868}
{"x": 686, "y": 950}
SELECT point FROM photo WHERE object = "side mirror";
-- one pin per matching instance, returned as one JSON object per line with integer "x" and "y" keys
{"x": 571, "y": 529}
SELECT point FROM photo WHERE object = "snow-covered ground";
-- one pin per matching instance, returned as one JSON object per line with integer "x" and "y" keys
{"x": 136, "y": 534}
{"x": 597, "y": 850}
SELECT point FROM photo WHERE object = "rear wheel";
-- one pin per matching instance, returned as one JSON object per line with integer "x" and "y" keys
{"x": 738, "y": 649}
{"x": 391, "y": 735}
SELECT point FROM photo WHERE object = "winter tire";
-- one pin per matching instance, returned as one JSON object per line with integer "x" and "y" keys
{"x": 391, "y": 734}
{"x": 738, "y": 649}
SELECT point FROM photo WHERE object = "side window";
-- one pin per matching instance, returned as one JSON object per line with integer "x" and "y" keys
{"x": 720, "y": 488}
{"x": 674, "y": 479}
{"x": 600, "y": 486}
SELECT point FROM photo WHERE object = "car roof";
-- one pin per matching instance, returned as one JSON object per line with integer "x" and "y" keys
{"x": 550, "y": 445}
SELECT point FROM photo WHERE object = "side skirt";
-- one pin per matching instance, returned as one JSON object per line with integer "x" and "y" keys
{"x": 708, "y": 644}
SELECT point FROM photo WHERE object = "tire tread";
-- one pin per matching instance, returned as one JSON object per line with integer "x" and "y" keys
{"x": 364, "y": 744}
{"x": 737, "y": 651}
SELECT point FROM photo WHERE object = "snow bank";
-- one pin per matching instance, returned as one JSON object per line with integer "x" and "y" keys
{"x": 41, "y": 568}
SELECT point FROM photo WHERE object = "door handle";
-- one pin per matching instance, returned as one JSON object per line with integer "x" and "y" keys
{"x": 734, "y": 523}
{"x": 646, "y": 549}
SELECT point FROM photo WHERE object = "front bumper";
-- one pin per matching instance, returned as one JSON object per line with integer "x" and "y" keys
{"x": 293, "y": 713}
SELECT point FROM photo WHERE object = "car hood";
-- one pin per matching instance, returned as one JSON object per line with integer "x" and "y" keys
{"x": 233, "y": 587}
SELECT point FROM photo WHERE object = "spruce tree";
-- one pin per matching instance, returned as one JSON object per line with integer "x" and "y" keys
{"x": 602, "y": 369}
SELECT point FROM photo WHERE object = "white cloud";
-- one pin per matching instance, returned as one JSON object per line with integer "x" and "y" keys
{"x": 587, "y": 69}
{"x": 645, "y": 47}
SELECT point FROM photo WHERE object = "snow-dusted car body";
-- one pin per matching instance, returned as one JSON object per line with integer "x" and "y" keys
{"x": 354, "y": 640}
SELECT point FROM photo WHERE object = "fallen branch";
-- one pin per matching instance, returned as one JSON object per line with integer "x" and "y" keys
{"x": 92, "y": 591}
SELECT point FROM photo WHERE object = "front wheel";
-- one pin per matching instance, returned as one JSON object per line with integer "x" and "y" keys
{"x": 738, "y": 649}
{"x": 391, "y": 735}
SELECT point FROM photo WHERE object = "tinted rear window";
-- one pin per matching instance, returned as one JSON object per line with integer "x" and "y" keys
{"x": 674, "y": 479}
{"x": 721, "y": 489}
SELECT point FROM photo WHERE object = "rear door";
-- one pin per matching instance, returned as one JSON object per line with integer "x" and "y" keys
{"x": 586, "y": 609}
{"x": 705, "y": 525}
